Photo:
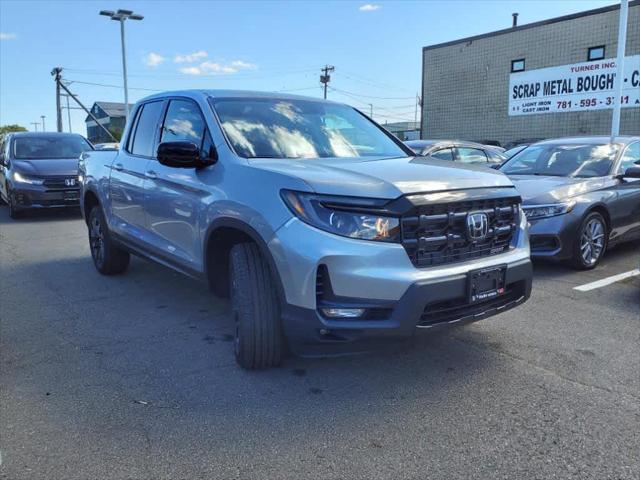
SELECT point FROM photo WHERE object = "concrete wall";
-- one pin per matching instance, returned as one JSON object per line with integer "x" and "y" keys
{"x": 466, "y": 85}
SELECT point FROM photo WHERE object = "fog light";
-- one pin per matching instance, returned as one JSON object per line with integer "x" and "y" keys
{"x": 343, "y": 312}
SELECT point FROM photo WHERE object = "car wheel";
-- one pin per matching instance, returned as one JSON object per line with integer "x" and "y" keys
{"x": 13, "y": 211}
{"x": 591, "y": 242}
{"x": 256, "y": 309}
{"x": 108, "y": 258}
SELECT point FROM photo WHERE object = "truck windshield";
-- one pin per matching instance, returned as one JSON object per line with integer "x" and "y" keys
{"x": 49, "y": 147}
{"x": 568, "y": 160}
{"x": 279, "y": 128}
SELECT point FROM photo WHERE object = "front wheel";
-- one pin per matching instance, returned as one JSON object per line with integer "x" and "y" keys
{"x": 591, "y": 242}
{"x": 256, "y": 309}
{"x": 108, "y": 258}
{"x": 13, "y": 211}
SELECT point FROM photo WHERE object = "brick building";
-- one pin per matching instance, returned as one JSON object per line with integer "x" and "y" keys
{"x": 468, "y": 84}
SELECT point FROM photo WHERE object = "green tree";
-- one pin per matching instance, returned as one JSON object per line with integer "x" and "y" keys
{"x": 116, "y": 132}
{"x": 4, "y": 129}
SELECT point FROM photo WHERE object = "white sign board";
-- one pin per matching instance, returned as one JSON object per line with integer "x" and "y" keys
{"x": 572, "y": 88}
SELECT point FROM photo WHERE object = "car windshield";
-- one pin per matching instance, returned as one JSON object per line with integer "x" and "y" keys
{"x": 278, "y": 128}
{"x": 563, "y": 160}
{"x": 39, "y": 148}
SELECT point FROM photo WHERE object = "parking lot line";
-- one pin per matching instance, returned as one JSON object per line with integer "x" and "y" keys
{"x": 607, "y": 281}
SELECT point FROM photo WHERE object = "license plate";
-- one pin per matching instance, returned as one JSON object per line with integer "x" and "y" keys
{"x": 486, "y": 283}
{"x": 70, "y": 196}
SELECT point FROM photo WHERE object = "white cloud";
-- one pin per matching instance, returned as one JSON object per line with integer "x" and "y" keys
{"x": 241, "y": 65}
{"x": 216, "y": 68}
{"x": 7, "y": 36}
{"x": 191, "y": 57}
{"x": 191, "y": 71}
{"x": 153, "y": 59}
{"x": 369, "y": 7}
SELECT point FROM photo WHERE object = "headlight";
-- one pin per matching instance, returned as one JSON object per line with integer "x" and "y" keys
{"x": 18, "y": 177}
{"x": 544, "y": 211}
{"x": 342, "y": 216}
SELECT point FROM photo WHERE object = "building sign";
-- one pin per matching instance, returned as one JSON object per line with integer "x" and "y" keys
{"x": 573, "y": 88}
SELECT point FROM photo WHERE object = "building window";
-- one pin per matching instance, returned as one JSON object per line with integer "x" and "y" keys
{"x": 595, "y": 53}
{"x": 517, "y": 65}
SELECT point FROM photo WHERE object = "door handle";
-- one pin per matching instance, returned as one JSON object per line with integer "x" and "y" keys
{"x": 151, "y": 174}
{"x": 118, "y": 167}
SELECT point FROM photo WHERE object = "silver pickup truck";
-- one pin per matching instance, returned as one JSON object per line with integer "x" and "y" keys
{"x": 327, "y": 233}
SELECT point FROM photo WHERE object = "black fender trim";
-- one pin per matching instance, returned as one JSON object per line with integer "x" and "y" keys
{"x": 230, "y": 222}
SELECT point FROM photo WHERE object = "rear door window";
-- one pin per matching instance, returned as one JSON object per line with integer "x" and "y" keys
{"x": 471, "y": 155}
{"x": 145, "y": 132}
{"x": 443, "y": 154}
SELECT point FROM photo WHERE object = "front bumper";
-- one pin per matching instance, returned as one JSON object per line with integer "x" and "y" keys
{"x": 38, "y": 196}
{"x": 380, "y": 274}
{"x": 553, "y": 238}
{"x": 426, "y": 305}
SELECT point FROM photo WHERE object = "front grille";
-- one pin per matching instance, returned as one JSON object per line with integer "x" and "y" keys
{"x": 437, "y": 234}
{"x": 60, "y": 183}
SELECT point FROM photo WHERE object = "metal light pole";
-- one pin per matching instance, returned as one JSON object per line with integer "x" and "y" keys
{"x": 42, "y": 117}
{"x": 617, "y": 89}
{"x": 35, "y": 125}
{"x": 121, "y": 16}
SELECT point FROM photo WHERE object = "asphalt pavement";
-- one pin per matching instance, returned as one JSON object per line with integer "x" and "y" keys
{"x": 133, "y": 377}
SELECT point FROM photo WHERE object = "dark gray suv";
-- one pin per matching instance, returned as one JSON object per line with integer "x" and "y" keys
{"x": 40, "y": 170}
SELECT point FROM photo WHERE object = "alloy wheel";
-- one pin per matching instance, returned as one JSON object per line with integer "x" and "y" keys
{"x": 592, "y": 241}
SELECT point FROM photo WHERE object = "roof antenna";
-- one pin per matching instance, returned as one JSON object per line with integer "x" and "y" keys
{"x": 515, "y": 20}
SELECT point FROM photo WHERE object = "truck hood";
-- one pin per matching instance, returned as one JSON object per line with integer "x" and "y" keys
{"x": 383, "y": 177}
{"x": 540, "y": 190}
{"x": 62, "y": 167}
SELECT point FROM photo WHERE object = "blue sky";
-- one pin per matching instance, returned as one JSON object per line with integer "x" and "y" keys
{"x": 259, "y": 45}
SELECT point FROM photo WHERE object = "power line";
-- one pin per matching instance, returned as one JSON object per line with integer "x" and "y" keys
{"x": 346, "y": 92}
{"x": 115, "y": 86}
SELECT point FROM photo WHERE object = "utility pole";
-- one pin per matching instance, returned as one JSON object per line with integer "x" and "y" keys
{"x": 326, "y": 78}
{"x": 617, "y": 88}
{"x": 56, "y": 72}
{"x": 68, "y": 111}
{"x": 121, "y": 16}
{"x": 42, "y": 117}
{"x": 35, "y": 125}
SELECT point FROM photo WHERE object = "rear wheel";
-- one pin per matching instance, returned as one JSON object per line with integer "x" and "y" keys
{"x": 108, "y": 258}
{"x": 591, "y": 242}
{"x": 256, "y": 309}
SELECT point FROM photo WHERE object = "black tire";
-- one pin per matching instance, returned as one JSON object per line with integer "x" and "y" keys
{"x": 258, "y": 339}
{"x": 108, "y": 258}
{"x": 590, "y": 242}
{"x": 13, "y": 211}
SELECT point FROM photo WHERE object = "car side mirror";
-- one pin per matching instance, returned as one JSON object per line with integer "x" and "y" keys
{"x": 632, "y": 172}
{"x": 184, "y": 155}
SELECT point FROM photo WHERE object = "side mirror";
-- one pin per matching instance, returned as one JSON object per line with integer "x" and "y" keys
{"x": 183, "y": 155}
{"x": 632, "y": 172}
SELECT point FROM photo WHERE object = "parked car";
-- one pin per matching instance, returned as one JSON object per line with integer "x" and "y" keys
{"x": 521, "y": 141}
{"x": 581, "y": 195}
{"x": 106, "y": 146}
{"x": 321, "y": 226}
{"x": 457, "y": 150}
{"x": 512, "y": 151}
{"x": 40, "y": 170}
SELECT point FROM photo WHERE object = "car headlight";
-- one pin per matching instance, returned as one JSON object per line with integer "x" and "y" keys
{"x": 544, "y": 211}
{"x": 18, "y": 177}
{"x": 342, "y": 216}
